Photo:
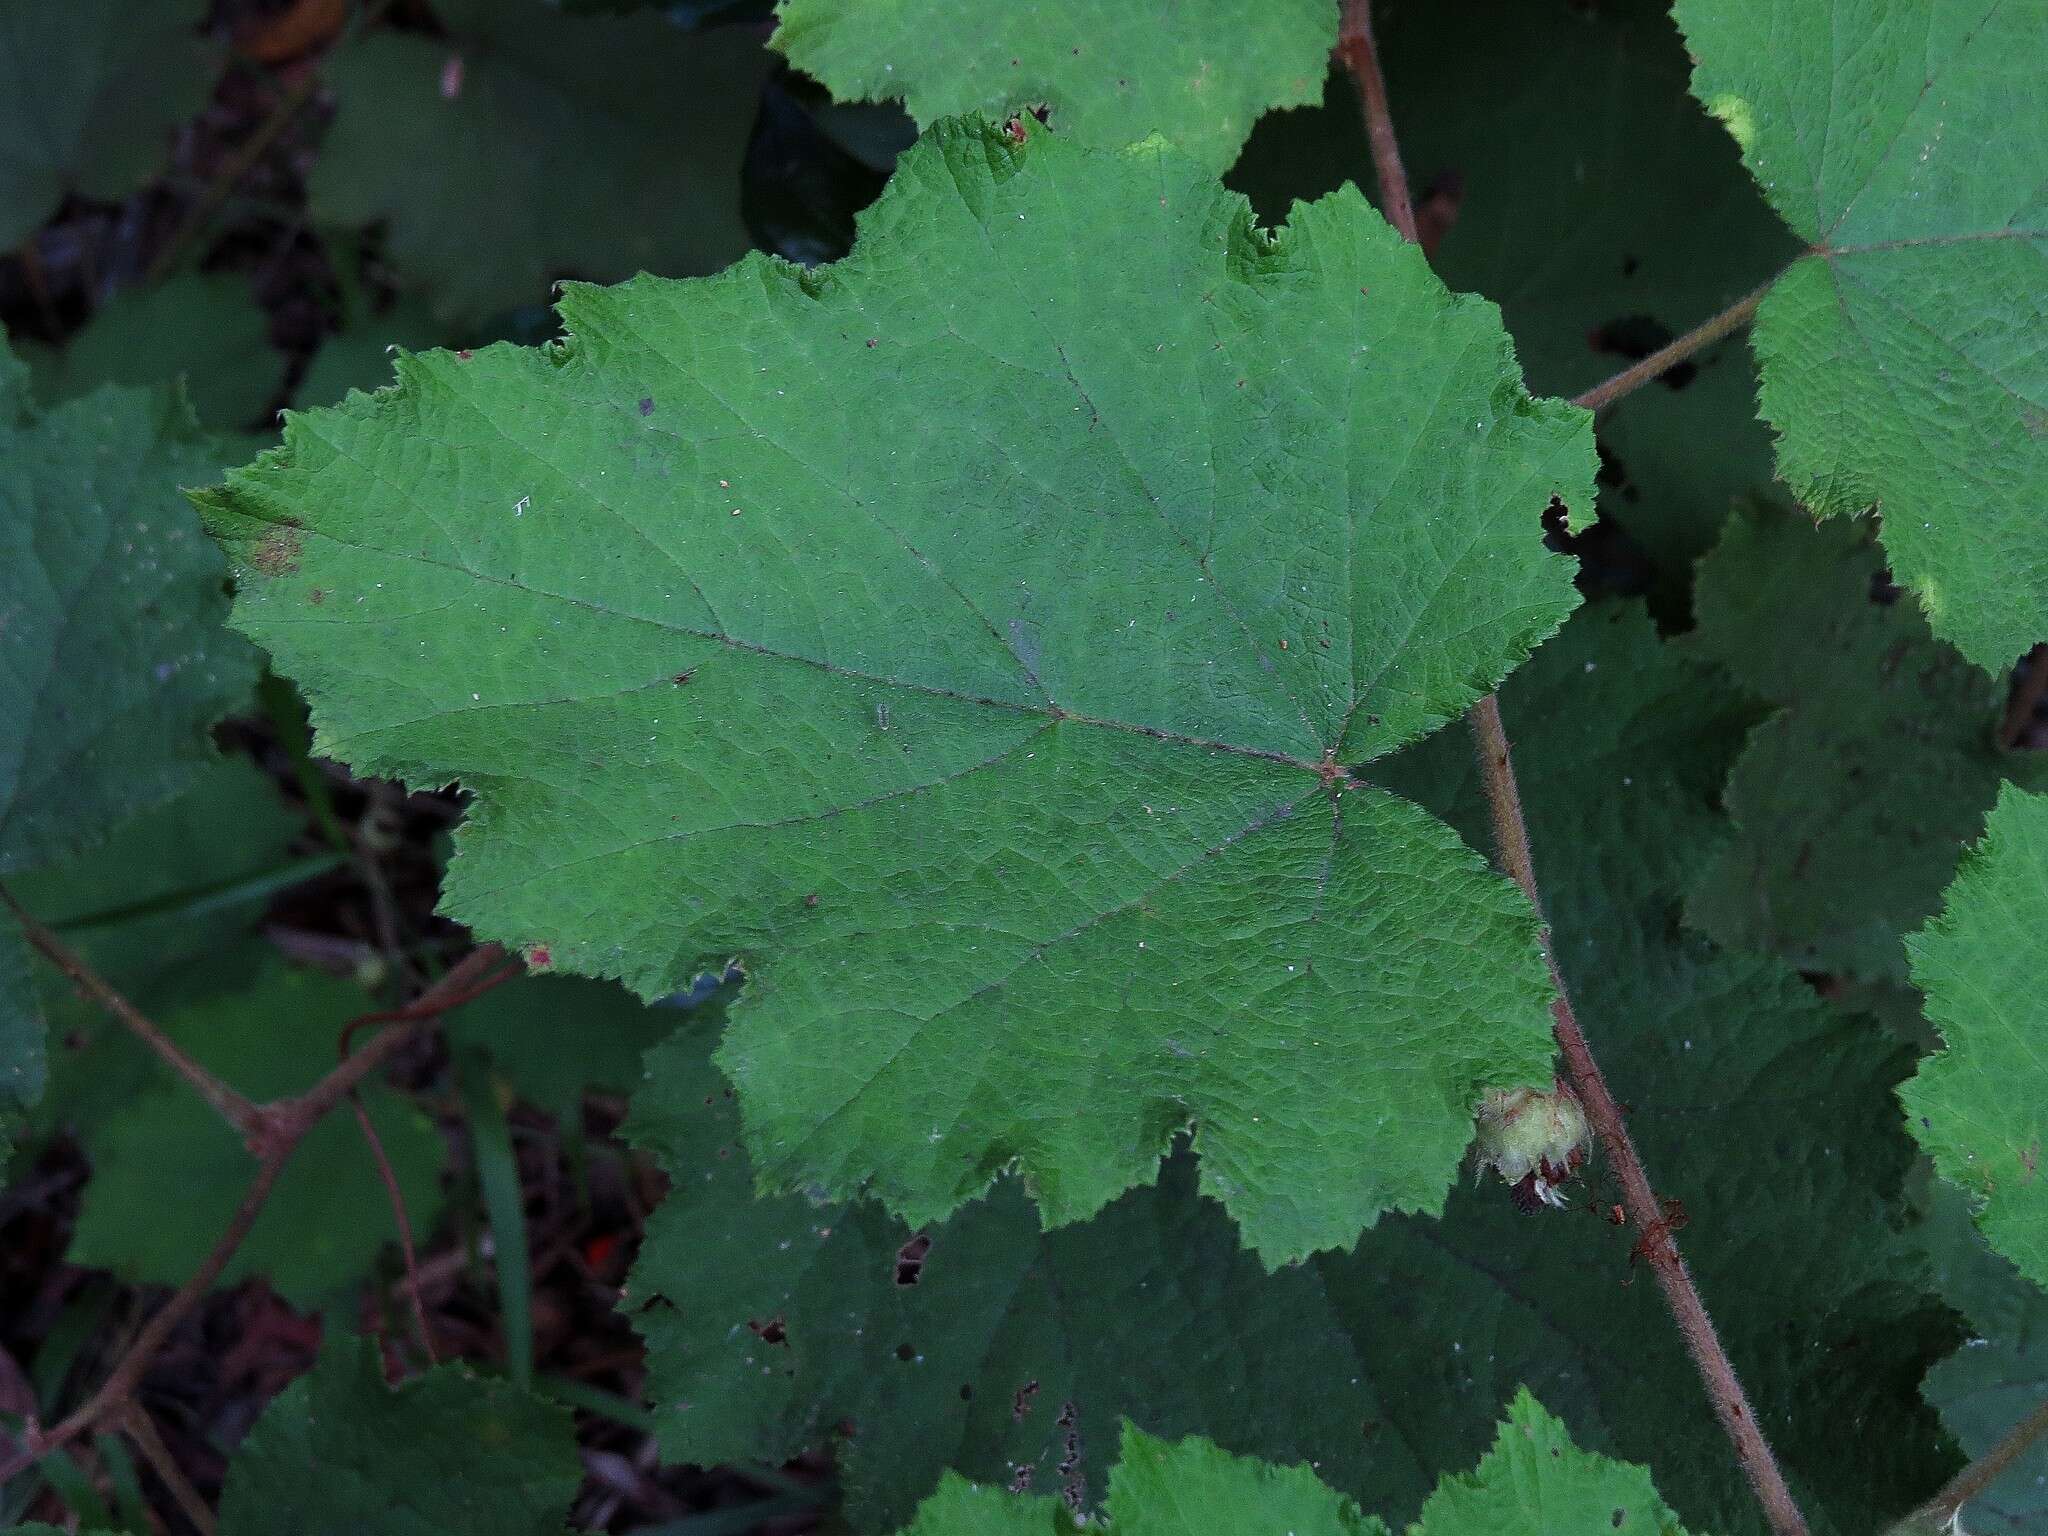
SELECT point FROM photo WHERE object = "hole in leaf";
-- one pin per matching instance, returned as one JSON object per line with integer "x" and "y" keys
{"x": 910, "y": 1258}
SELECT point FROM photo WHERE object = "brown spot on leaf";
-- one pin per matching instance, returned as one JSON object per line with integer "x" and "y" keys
{"x": 279, "y": 550}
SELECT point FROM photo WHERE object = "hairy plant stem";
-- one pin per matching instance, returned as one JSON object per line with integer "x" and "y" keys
{"x": 245, "y": 1116}
{"x": 1670, "y": 355}
{"x": 285, "y": 1124}
{"x": 1511, "y": 844}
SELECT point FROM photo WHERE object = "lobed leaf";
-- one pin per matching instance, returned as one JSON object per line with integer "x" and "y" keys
{"x": 1197, "y": 72}
{"x": 1903, "y": 142}
{"x": 1980, "y": 1105}
{"x": 982, "y": 1344}
{"x": 970, "y": 638}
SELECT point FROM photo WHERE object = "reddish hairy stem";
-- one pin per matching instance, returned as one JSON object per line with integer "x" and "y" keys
{"x": 128, "y": 1371}
{"x": 1717, "y": 1372}
{"x": 243, "y": 1115}
{"x": 1511, "y": 843}
{"x": 1669, "y": 356}
{"x": 284, "y": 1125}
{"x": 402, "y": 1217}
{"x": 1355, "y": 46}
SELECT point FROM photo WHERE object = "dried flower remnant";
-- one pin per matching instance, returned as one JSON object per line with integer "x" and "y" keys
{"x": 1534, "y": 1140}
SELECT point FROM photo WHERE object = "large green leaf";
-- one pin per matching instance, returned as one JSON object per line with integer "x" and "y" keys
{"x": 1769, "y": 1114}
{"x": 1980, "y": 1106}
{"x": 168, "y": 1171}
{"x": 207, "y": 328}
{"x": 527, "y": 145}
{"x": 89, "y": 93}
{"x": 1904, "y": 141}
{"x": 967, "y": 636}
{"x": 446, "y": 1454}
{"x": 1108, "y": 72}
{"x": 1852, "y": 803}
{"x": 113, "y": 654}
{"x": 1534, "y": 1482}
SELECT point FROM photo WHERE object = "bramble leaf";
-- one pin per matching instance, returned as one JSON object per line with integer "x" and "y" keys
{"x": 207, "y": 329}
{"x": 526, "y": 145}
{"x": 1534, "y": 1482}
{"x": 89, "y": 93}
{"x": 113, "y": 655}
{"x": 1980, "y": 1106}
{"x": 1900, "y": 367}
{"x": 1107, "y": 72}
{"x": 268, "y": 1032}
{"x": 448, "y": 1453}
{"x": 1852, "y": 803}
{"x": 965, "y": 1344}
{"x": 969, "y": 636}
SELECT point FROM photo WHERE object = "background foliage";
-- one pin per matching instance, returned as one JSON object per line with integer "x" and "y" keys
{"x": 991, "y": 692}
